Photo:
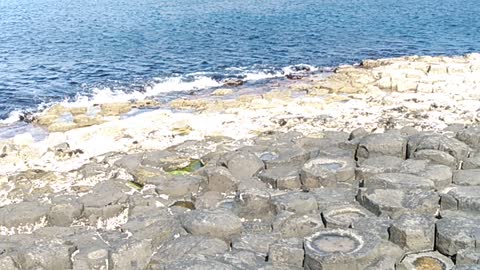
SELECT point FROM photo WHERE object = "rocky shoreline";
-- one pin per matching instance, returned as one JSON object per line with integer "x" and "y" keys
{"x": 373, "y": 167}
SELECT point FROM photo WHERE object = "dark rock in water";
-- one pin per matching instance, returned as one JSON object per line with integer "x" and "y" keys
{"x": 233, "y": 82}
{"x": 293, "y": 76}
{"x": 27, "y": 117}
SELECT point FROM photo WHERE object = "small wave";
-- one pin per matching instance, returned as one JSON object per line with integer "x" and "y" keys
{"x": 12, "y": 117}
{"x": 159, "y": 86}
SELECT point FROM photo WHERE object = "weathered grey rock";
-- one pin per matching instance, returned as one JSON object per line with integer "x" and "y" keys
{"x": 7, "y": 263}
{"x": 155, "y": 224}
{"x": 108, "y": 199}
{"x": 220, "y": 179}
{"x": 376, "y": 225}
{"x": 254, "y": 203}
{"x": 471, "y": 163}
{"x": 413, "y": 166}
{"x": 469, "y": 256}
{"x": 413, "y": 232}
{"x": 340, "y": 249}
{"x": 425, "y": 260}
{"x": 456, "y": 232}
{"x": 437, "y": 157}
{"x": 181, "y": 186}
{"x": 424, "y": 141}
{"x": 184, "y": 247}
{"x": 208, "y": 200}
{"x": 466, "y": 267}
{"x": 358, "y": 133}
{"x": 166, "y": 160}
{"x": 64, "y": 211}
{"x": 333, "y": 196}
{"x": 24, "y": 217}
{"x": 255, "y": 242}
{"x": 381, "y": 144}
{"x": 214, "y": 223}
{"x": 242, "y": 259}
{"x": 398, "y": 181}
{"x": 441, "y": 175}
{"x": 279, "y": 267}
{"x": 242, "y": 164}
{"x": 128, "y": 252}
{"x": 285, "y": 178}
{"x": 467, "y": 177}
{"x": 287, "y": 252}
{"x": 377, "y": 165}
{"x": 470, "y": 136}
{"x": 129, "y": 162}
{"x": 462, "y": 198}
{"x": 257, "y": 226}
{"x": 284, "y": 155}
{"x": 394, "y": 202}
{"x": 29, "y": 252}
{"x": 328, "y": 172}
{"x": 390, "y": 255}
{"x": 294, "y": 225}
{"x": 196, "y": 264}
{"x": 296, "y": 202}
{"x": 343, "y": 216}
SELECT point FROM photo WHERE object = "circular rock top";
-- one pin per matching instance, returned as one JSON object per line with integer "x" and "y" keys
{"x": 328, "y": 172}
{"x": 432, "y": 260}
{"x": 343, "y": 216}
{"x": 335, "y": 242}
{"x": 341, "y": 249}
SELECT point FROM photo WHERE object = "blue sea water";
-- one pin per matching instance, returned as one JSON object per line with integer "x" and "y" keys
{"x": 51, "y": 50}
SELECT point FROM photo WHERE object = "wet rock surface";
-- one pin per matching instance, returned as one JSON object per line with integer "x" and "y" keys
{"x": 384, "y": 199}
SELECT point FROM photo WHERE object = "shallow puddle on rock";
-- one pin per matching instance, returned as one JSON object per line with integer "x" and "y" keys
{"x": 336, "y": 243}
{"x": 332, "y": 166}
{"x": 428, "y": 263}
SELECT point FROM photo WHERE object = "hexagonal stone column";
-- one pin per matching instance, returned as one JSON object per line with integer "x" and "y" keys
{"x": 287, "y": 252}
{"x": 340, "y": 249}
{"x": 328, "y": 172}
{"x": 461, "y": 198}
{"x": 413, "y": 232}
{"x": 394, "y": 202}
{"x": 382, "y": 144}
{"x": 457, "y": 231}
{"x": 214, "y": 223}
{"x": 467, "y": 177}
{"x": 398, "y": 181}
{"x": 343, "y": 216}
{"x": 426, "y": 260}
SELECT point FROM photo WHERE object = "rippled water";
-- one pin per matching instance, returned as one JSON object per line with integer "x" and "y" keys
{"x": 52, "y": 49}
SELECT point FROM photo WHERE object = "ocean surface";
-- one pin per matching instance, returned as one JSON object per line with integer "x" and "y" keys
{"x": 98, "y": 50}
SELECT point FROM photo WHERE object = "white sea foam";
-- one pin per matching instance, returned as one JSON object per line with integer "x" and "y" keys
{"x": 191, "y": 82}
{"x": 12, "y": 118}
